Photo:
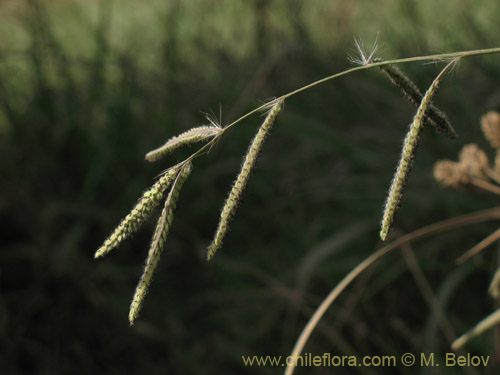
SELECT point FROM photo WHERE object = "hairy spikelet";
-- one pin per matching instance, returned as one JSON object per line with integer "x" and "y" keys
{"x": 407, "y": 155}
{"x": 132, "y": 222}
{"x": 489, "y": 322}
{"x": 433, "y": 115}
{"x": 159, "y": 239}
{"x": 241, "y": 181}
{"x": 199, "y": 134}
{"x": 490, "y": 125}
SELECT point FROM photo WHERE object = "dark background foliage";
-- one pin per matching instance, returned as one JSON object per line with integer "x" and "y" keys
{"x": 88, "y": 87}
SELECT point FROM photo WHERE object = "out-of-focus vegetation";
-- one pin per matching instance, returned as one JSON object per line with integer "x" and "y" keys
{"x": 88, "y": 87}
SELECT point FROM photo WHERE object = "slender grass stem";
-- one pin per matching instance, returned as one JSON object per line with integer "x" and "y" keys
{"x": 456, "y": 222}
{"x": 437, "y": 58}
{"x": 485, "y": 324}
{"x": 479, "y": 247}
{"x": 493, "y": 175}
{"x": 485, "y": 185}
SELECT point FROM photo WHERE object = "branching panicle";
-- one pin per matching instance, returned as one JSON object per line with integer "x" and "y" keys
{"x": 212, "y": 132}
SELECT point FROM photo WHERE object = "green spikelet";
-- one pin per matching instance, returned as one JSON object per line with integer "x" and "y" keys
{"x": 199, "y": 134}
{"x": 133, "y": 221}
{"x": 407, "y": 154}
{"x": 159, "y": 239}
{"x": 433, "y": 115}
{"x": 241, "y": 181}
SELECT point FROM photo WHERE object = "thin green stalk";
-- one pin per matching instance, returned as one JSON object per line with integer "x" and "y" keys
{"x": 438, "y": 57}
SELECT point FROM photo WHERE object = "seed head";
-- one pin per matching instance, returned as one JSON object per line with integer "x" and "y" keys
{"x": 474, "y": 161}
{"x": 490, "y": 125}
{"x": 448, "y": 173}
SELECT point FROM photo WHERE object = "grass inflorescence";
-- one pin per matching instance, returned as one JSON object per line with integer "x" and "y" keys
{"x": 229, "y": 208}
{"x": 407, "y": 155}
{"x": 158, "y": 241}
{"x": 142, "y": 210}
{"x": 409, "y": 89}
{"x": 199, "y": 134}
{"x": 173, "y": 178}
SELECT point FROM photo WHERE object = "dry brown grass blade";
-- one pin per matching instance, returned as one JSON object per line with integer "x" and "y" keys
{"x": 456, "y": 222}
{"x": 489, "y": 322}
{"x": 485, "y": 185}
{"x": 427, "y": 292}
{"x": 479, "y": 247}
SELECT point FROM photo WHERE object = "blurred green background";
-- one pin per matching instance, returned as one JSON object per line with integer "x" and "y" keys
{"x": 88, "y": 87}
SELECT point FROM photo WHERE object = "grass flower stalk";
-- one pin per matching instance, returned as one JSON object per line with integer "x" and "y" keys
{"x": 133, "y": 221}
{"x": 409, "y": 146}
{"x": 158, "y": 242}
{"x": 241, "y": 181}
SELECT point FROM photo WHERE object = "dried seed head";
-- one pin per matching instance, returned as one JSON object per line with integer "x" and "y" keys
{"x": 448, "y": 173}
{"x": 490, "y": 124}
{"x": 133, "y": 221}
{"x": 474, "y": 161}
{"x": 242, "y": 179}
{"x": 496, "y": 166}
{"x": 158, "y": 242}
{"x": 199, "y": 134}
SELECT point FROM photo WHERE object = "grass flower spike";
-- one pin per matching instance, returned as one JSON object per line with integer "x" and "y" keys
{"x": 159, "y": 239}
{"x": 410, "y": 90}
{"x": 133, "y": 221}
{"x": 407, "y": 154}
{"x": 471, "y": 169}
{"x": 241, "y": 181}
{"x": 199, "y": 134}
